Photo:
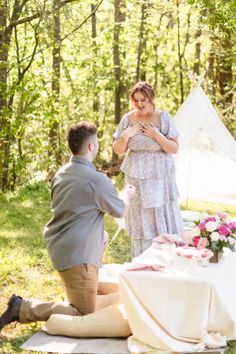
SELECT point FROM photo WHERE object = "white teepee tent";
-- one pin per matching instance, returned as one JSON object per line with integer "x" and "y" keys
{"x": 206, "y": 161}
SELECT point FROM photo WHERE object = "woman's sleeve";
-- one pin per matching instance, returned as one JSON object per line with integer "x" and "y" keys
{"x": 121, "y": 127}
{"x": 168, "y": 127}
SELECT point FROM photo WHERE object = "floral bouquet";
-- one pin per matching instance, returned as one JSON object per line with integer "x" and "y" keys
{"x": 214, "y": 232}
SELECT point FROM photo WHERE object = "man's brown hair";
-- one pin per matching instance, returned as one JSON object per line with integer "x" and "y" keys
{"x": 78, "y": 134}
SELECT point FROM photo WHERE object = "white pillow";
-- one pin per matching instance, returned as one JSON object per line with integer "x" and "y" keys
{"x": 107, "y": 322}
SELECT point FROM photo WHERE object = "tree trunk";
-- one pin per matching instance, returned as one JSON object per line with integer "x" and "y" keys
{"x": 94, "y": 36}
{"x": 54, "y": 135}
{"x": 225, "y": 80}
{"x": 141, "y": 60}
{"x": 212, "y": 69}
{"x": 5, "y": 34}
{"x": 225, "y": 74}
{"x": 180, "y": 57}
{"x": 118, "y": 19}
{"x": 156, "y": 46}
{"x": 197, "y": 59}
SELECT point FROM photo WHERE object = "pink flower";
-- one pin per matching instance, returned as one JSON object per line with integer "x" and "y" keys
{"x": 232, "y": 225}
{"x": 202, "y": 243}
{"x": 222, "y": 215}
{"x": 202, "y": 226}
{"x": 224, "y": 230}
{"x": 195, "y": 240}
{"x": 206, "y": 253}
{"x": 211, "y": 218}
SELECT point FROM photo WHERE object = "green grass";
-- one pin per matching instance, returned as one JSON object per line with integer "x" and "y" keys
{"x": 208, "y": 207}
{"x": 25, "y": 268}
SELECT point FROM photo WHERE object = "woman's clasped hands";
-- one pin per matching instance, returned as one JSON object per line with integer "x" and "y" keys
{"x": 149, "y": 130}
{"x": 133, "y": 130}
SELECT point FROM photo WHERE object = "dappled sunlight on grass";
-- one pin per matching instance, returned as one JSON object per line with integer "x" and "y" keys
{"x": 31, "y": 245}
{"x": 27, "y": 204}
{"x": 10, "y": 234}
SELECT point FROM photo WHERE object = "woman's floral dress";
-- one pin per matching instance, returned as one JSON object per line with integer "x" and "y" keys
{"x": 153, "y": 208}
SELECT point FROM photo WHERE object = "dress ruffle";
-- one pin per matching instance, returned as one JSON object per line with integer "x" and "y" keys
{"x": 153, "y": 208}
{"x": 158, "y": 192}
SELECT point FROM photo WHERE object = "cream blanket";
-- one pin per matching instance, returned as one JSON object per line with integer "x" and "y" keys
{"x": 185, "y": 308}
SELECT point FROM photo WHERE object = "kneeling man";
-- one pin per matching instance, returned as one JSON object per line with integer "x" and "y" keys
{"x": 75, "y": 234}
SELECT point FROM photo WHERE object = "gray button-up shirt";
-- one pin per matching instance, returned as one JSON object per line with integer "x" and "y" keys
{"x": 80, "y": 197}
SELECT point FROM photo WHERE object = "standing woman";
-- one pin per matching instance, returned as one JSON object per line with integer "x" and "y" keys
{"x": 149, "y": 138}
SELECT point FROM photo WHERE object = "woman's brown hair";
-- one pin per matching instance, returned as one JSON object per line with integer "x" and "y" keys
{"x": 145, "y": 89}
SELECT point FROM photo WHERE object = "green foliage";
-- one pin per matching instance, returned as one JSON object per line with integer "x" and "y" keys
{"x": 231, "y": 349}
{"x": 219, "y": 14}
{"x": 87, "y": 83}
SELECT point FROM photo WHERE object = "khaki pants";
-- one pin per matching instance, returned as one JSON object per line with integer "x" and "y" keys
{"x": 81, "y": 284}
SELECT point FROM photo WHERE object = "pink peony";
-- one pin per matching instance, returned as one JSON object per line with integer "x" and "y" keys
{"x": 224, "y": 230}
{"x": 202, "y": 226}
{"x": 232, "y": 225}
{"x": 195, "y": 240}
{"x": 211, "y": 218}
{"x": 202, "y": 243}
{"x": 222, "y": 215}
